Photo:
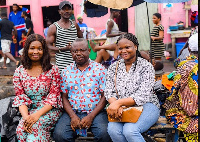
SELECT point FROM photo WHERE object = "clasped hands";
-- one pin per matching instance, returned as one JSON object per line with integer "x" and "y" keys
{"x": 114, "y": 110}
{"x": 84, "y": 123}
{"x": 29, "y": 120}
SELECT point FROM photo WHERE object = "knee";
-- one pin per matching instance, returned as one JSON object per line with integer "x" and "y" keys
{"x": 131, "y": 131}
{"x": 101, "y": 134}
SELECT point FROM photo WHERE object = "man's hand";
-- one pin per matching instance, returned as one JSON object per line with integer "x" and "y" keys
{"x": 67, "y": 48}
{"x": 75, "y": 123}
{"x": 86, "y": 122}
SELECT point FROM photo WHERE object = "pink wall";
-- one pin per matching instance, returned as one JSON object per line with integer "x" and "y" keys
{"x": 176, "y": 14}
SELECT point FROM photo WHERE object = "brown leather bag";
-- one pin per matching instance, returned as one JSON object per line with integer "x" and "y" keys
{"x": 130, "y": 114}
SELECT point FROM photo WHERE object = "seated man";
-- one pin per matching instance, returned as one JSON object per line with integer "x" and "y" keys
{"x": 82, "y": 85}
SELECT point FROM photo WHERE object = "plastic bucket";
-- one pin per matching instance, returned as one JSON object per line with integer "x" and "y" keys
{"x": 179, "y": 46}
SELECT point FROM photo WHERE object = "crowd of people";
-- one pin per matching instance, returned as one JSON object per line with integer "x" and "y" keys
{"x": 78, "y": 94}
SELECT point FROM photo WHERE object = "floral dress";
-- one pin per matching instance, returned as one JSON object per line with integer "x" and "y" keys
{"x": 35, "y": 92}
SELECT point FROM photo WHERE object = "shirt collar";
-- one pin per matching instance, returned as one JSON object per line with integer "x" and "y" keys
{"x": 89, "y": 66}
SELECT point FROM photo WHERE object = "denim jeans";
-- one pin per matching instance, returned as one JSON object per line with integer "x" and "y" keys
{"x": 64, "y": 133}
{"x": 131, "y": 132}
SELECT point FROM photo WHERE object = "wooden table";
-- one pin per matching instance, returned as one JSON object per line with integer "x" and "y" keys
{"x": 177, "y": 34}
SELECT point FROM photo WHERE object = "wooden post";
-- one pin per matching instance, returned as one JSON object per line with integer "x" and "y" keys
{"x": 187, "y": 7}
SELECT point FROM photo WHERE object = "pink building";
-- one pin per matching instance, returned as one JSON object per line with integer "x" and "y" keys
{"x": 42, "y": 9}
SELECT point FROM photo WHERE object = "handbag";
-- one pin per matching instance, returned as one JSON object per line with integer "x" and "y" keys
{"x": 129, "y": 114}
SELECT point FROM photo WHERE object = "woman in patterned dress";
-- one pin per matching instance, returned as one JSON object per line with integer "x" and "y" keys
{"x": 157, "y": 35}
{"x": 134, "y": 86}
{"x": 37, "y": 89}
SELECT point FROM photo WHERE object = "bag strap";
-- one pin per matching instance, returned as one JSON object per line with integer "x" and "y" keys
{"x": 116, "y": 79}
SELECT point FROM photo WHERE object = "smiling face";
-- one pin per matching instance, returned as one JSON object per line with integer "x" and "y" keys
{"x": 155, "y": 19}
{"x": 80, "y": 53}
{"x": 35, "y": 51}
{"x": 66, "y": 12}
{"x": 127, "y": 49}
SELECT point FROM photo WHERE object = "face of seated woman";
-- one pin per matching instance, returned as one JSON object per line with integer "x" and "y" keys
{"x": 127, "y": 49}
{"x": 35, "y": 51}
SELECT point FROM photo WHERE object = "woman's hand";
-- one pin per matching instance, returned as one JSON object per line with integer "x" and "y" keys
{"x": 29, "y": 121}
{"x": 153, "y": 38}
{"x": 112, "y": 109}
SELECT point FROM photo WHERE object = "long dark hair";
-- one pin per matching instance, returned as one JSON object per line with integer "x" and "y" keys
{"x": 132, "y": 38}
{"x": 45, "y": 60}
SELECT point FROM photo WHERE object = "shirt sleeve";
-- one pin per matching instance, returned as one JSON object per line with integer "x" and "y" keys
{"x": 54, "y": 97}
{"x": 145, "y": 88}
{"x": 110, "y": 84}
{"x": 64, "y": 82}
{"x": 21, "y": 98}
{"x": 161, "y": 28}
{"x": 102, "y": 81}
{"x": 28, "y": 23}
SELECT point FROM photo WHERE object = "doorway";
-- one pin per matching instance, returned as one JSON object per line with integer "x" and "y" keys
{"x": 122, "y": 21}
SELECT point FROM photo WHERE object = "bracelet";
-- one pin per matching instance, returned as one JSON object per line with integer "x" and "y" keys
{"x": 59, "y": 50}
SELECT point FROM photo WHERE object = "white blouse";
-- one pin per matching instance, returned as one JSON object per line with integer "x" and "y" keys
{"x": 136, "y": 84}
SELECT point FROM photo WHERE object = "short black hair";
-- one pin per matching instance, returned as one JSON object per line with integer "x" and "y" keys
{"x": 3, "y": 14}
{"x": 24, "y": 33}
{"x": 158, "y": 15}
{"x": 14, "y": 4}
{"x": 24, "y": 12}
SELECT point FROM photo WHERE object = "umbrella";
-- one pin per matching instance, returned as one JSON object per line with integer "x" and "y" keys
{"x": 115, "y": 4}
{"x": 119, "y": 4}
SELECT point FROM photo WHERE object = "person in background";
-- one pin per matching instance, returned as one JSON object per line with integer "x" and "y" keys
{"x": 83, "y": 26}
{"x": 37, "y": 88}
{"x": 28, "y": 23}
{"x": 47, "y": 28}
{"x": 22, "y": 43}
{"x": 112, "y": 33}
{"x": 63, "y": 33}
{"x": 19, "y": 22}
{"x": 134, "y": 85}
{"x": 182, "y": 104}
{"x": 157, "y": 36}
{"x": 2, "y": 56}
{"x": 82, "y": 85}
{"x": 6, "y": 28}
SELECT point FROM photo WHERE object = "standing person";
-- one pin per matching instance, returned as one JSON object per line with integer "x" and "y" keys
{"x": 22, "y": 43}
{"x": 37, "y": 88}
{"x": 82, "y": 26}
{"x": 112, "y": 34}
{"x": 47, "y": 28}
{"x": 19, "y": 22}
{"x": 63, "y": 33}
{"x": 135, "y": 78}
{"x": 6, "y": 28}
{"x": 83, "y": 97}
{"x": 2, "y": 56}
{"x": 157, "y": 35}
{"x": 28, "y": 23}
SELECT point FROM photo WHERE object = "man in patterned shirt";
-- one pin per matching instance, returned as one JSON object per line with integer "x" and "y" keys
{"x": 82, "y": 85}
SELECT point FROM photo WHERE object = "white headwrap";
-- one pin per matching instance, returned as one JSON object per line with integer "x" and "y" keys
{"x": 193, "y": 42}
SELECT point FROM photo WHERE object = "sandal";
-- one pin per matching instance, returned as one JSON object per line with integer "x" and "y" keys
{"x": 3, "y": 67}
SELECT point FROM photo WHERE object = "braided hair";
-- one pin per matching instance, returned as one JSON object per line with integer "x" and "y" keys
{"x": 132, "y": 38}
{"x": 45, "y": 60}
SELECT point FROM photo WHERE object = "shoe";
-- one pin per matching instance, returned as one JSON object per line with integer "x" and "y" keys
{"x": 2, "y": 59}
{"x": 7, "y": 60}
